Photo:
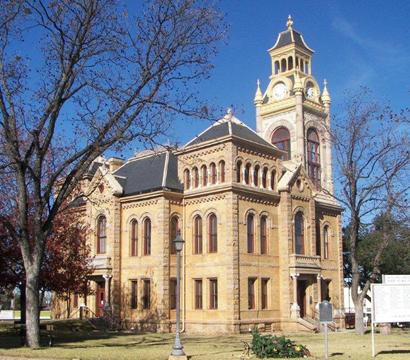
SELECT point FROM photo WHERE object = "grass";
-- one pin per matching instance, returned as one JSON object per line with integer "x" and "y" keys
{"x": 80, "y": 341}
{"x": 43, "y": 313}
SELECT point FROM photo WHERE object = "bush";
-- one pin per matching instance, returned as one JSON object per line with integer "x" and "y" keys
{"x": 268, "y": 346}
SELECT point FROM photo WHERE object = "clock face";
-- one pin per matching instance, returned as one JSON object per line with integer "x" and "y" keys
{"x": 310, "y": 92}
{"x": 279, "y": 91}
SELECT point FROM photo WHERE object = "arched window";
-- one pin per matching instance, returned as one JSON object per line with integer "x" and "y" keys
{"x": 290, "y": 63}
{"x": 313, "y": 147}
{"x": 265, "y": 178}
{"x": 204, "y": 174}
{"x": 297, "y": 62}
{"x": 299, "y": 234}
{"x": 238, "y": 171}
{"x": 272, "y": 179}
{"x": 318, "y": 240}
{"x": 302, "y": 65}
{"x": 187, "y": 179}
{"x": 212, "y": 233}
{"x": 263, "y": 235}
{"x": 250, "y": 226}
{"x": 212, "y": 168}
{"x": 147, "y": 236}
{"x": 281, "y": 139}
{"x": 134, "y": 238}
{"x": 277, "y": 67}
{"x": 247, "y": 173}
{"x": 307, "y": 67}
{"x": 283, "y": 65}
{"x": 222, "y": 171}
{"x": 101, "y": 234}
{"x": 326, "y": 242}
{"x": 173, "y": 233}
{"x": 197, "y": 235}
{"x": 195, "y": 180}
{"x": 256, "y": 175}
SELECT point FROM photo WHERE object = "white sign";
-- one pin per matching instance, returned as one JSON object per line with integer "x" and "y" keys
{"x": 391, "y": 303}
{"x": 396, "y": 279}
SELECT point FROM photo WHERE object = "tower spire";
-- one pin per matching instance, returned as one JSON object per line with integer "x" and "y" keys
{"x": 258, "y": 95}
{"x": 325, "y": 94}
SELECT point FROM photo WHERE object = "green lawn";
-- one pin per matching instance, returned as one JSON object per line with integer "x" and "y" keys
{"x": 81, "y": 342}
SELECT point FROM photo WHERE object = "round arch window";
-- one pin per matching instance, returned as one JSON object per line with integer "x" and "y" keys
{"x": 281, "y": 139}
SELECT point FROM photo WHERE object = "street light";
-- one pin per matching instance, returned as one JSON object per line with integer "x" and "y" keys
{"x": 178, "y": 350}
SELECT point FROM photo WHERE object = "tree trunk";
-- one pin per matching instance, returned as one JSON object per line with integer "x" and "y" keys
{"x": 68, "y": 305}
{"x": 359, "y": 325}
{"x": 32, "y": 308}
{"x": 22, "y": 303}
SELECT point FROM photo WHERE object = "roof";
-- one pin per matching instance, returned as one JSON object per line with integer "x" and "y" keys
{"x": 290, "y": 36}
{"x": 155, "y": 171}
{"x": 229, "y": 125}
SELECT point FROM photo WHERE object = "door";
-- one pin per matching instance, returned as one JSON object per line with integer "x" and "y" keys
{"x": 99, "y": 298}
{"x": 302, "y": 297}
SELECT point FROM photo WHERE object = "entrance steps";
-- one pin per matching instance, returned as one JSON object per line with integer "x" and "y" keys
{"x": 98, "y": 323}
{"x": 307, "y": 324}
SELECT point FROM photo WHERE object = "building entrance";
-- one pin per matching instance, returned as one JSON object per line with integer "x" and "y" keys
{"x": 99, "y": 297}
{"x": 302, "y": 284}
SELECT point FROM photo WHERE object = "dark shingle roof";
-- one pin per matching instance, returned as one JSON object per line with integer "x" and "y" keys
{"x": 245, "y": 133}
{"x": 147, "y": 174}
{"x": 289, "y": 37}
{"x": 229, "y": 126}
{"x": 215, "y": 131}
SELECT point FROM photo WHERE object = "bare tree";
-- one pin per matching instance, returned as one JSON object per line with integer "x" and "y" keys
{"x": 372, "y": 154}
{"x": 78, "y": 77}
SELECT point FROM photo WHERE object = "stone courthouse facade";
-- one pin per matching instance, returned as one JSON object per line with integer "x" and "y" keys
{"x": 262, "y": 234}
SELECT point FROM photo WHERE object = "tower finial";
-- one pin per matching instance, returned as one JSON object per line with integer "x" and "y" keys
{"x": 325, "y": 93}
{"x": 289, "y": 23}
{"x": 258, "y": 95}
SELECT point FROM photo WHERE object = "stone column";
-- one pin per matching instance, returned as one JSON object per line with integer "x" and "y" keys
{"x": 319, "y": 290}
{"x": 299, "y": 153}
{"x": 107, "y": 278}
{"x": 295, "y": 309}
{"x": 328, "y": 141}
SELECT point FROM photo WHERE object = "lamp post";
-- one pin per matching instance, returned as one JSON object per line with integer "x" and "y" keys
{"x": 178, "y": 350}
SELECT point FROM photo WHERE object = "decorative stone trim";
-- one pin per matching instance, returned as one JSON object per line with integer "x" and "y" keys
{"x": 300, "y": 197}
{"x": 256, "y": 153}
{"x": 200, "y": 154}
{"x": 140, "y": 204}
{"x": 205, "y": 200}
{"x": 257, "y": 200}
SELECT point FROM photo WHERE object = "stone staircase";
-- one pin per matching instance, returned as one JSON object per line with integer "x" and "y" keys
{"x": 307, "y": 324}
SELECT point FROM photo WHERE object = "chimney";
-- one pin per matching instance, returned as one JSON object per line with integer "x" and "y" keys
{"x": 114, "y": 163}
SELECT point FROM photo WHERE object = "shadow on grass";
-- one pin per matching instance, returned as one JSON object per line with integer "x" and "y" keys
{"x": 73, "y": 336}
{"x": 81, "y": 335}
{"x": 393, "y": 352}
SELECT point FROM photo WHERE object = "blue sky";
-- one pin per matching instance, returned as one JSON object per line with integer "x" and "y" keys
{"x": 355, "y": 42}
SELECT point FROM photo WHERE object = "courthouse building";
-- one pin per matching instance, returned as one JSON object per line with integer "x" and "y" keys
{"x": 263, "y": 242}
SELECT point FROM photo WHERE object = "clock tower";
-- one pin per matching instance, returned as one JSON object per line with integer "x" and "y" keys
{"x": 293, "y": 113}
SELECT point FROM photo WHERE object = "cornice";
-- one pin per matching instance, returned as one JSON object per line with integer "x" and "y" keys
{"x": 262, "y": 195}
{"x": 314, "y": 107}
{"x": 278, "y": 106}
